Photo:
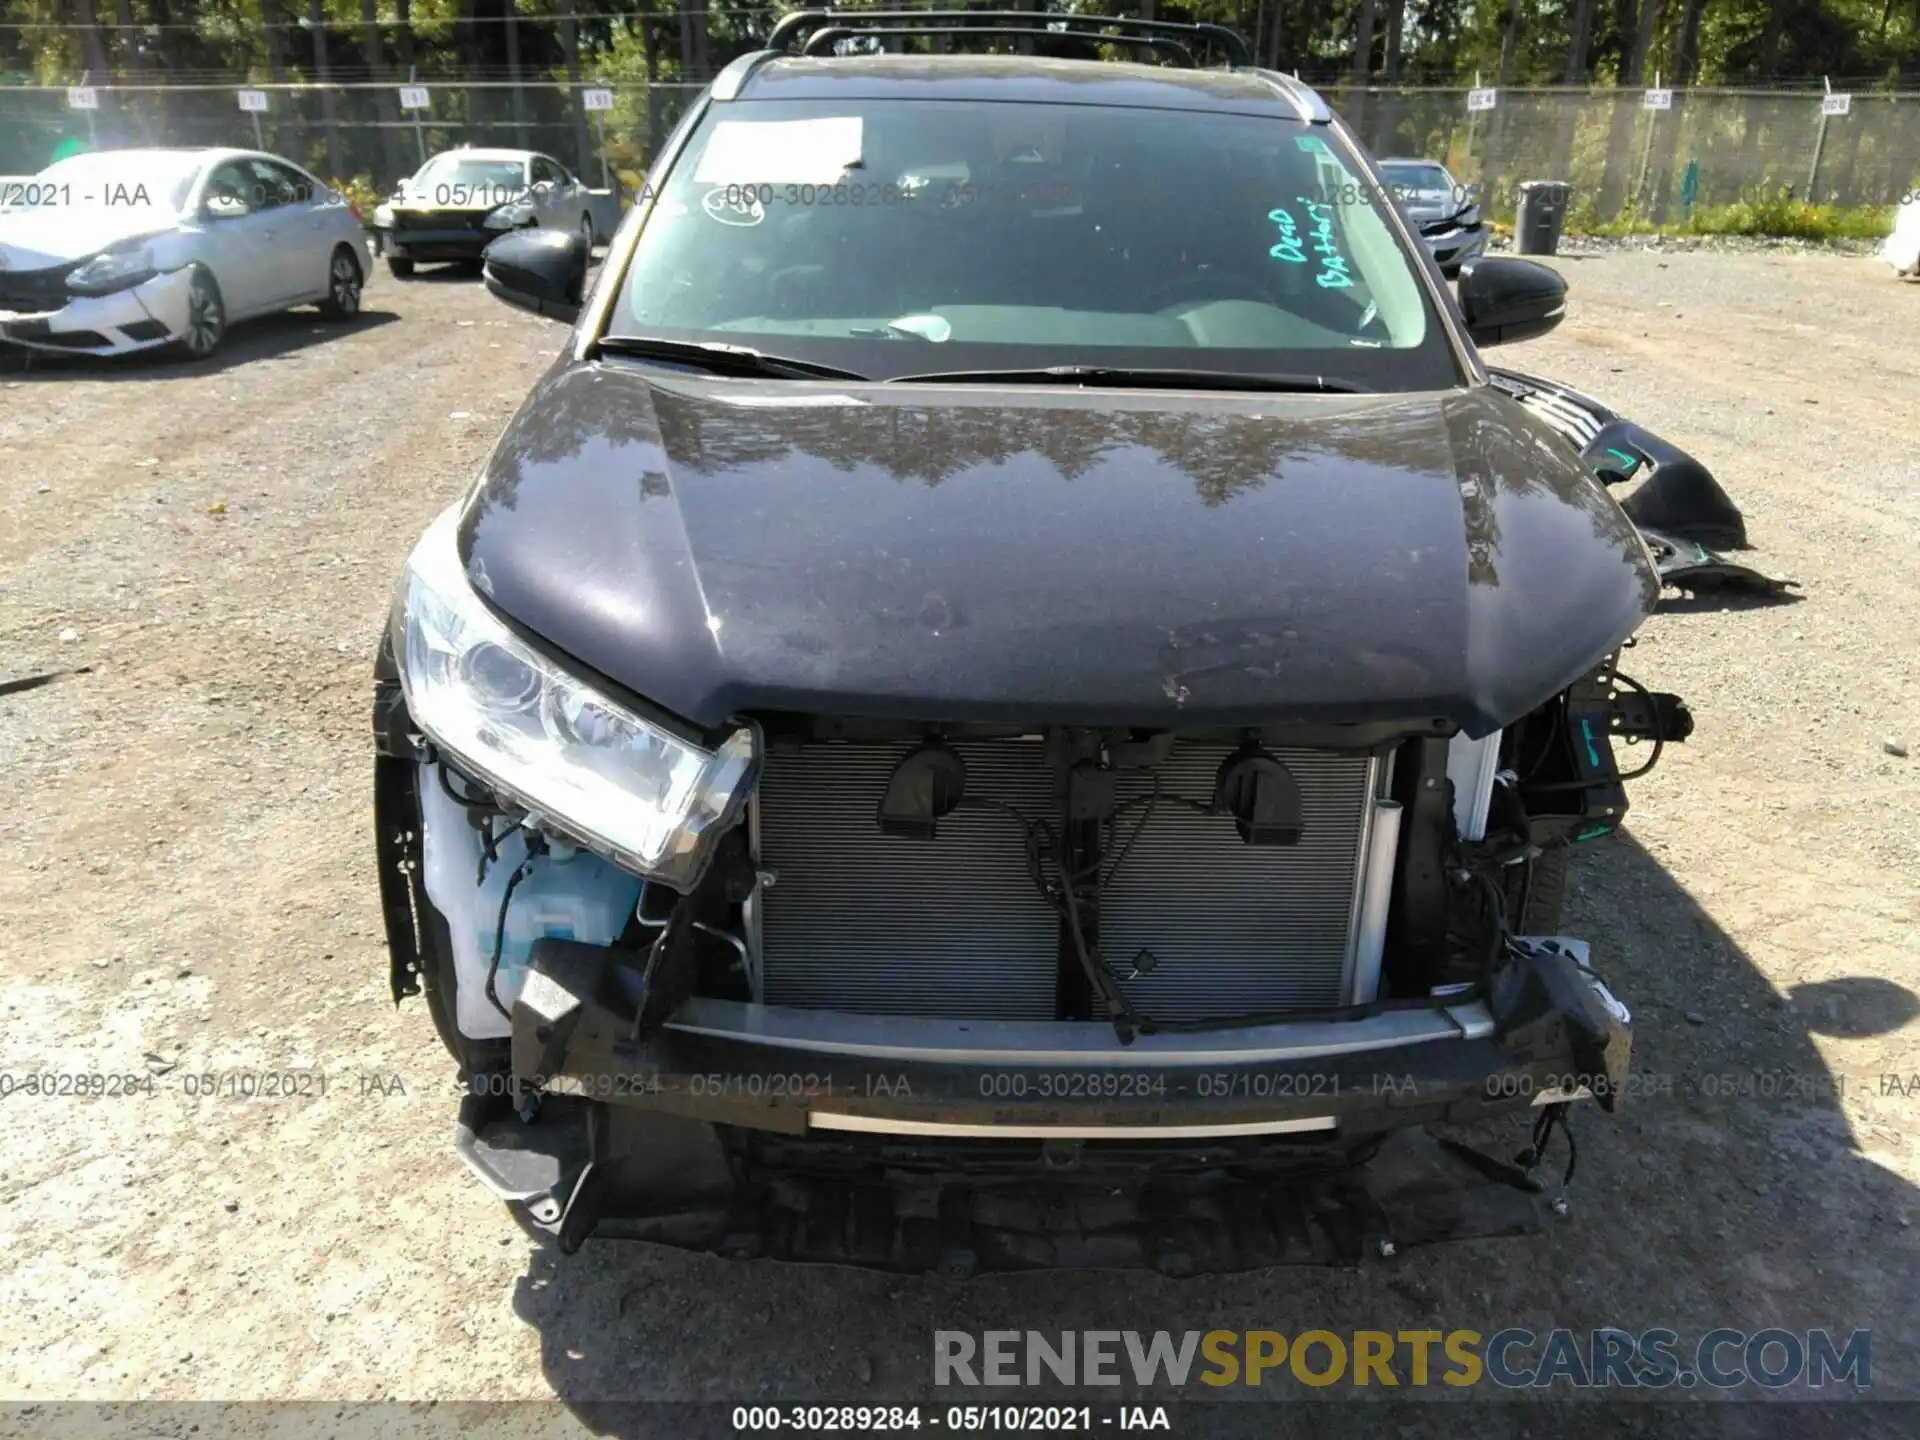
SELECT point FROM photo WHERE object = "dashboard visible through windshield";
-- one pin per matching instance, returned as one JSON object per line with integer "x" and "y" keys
{"x": 896, "y": 237}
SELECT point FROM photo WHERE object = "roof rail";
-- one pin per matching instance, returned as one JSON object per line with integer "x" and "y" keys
{"x": 846, "y": 24}
{"x": 824, "y": 39}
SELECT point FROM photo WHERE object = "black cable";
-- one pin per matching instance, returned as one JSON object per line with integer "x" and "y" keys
{"x": 1037, "y": 836}
{"x": 1550, "y": 1117}
{"x": 1546, "y": 746}
{"x": 1500, "y": 928}
{"x": 1659, "y": 744}
{"x": 1139, "y": 825}
{"x": 1659, "y": 740}
{"x": 1127, "y": 1021}
{"x": 1522, "y": 831}
{"x": 1151, "y": 802}
{"x": 500, "y": 933}
{"x": 466, "y": 801}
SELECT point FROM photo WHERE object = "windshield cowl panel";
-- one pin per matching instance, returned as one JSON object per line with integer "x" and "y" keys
{"x": 897, "y": 237}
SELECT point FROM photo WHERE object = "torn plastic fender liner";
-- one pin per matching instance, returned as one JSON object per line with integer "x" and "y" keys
{"x": 1684, "y": 564}
{"x": 1677, "y": 495}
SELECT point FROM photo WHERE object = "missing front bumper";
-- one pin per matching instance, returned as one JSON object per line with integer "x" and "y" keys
{"x": 809, "y": 1135}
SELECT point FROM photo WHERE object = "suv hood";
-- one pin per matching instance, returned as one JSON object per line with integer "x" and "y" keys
{"x": 1051, "y": 555}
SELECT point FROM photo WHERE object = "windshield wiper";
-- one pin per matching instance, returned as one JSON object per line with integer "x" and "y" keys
{"x": 724, "y": 359}
{"x": 1142, "y": 379}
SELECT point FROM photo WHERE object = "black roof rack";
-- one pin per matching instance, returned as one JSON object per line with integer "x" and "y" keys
{"x": 1115, "y": 29}
{"x": 824, "y": 39}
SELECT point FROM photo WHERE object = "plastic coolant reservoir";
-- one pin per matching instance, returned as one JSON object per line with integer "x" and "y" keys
{"x": 567, "y": 895}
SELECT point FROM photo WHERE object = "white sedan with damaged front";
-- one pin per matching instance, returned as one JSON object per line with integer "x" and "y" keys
{"x": 127, "y": 250}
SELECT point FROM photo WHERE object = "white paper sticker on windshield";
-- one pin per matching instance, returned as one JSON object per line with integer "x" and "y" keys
{"x": 780, "y": 152}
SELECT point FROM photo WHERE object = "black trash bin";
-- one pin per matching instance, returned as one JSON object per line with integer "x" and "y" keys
{"x": 1540, "y": 212}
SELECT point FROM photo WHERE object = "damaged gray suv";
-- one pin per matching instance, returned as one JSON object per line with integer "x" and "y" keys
{"x": 1017, "y": 696}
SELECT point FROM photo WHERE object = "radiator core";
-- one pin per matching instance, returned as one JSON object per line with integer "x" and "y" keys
{"x": 861, "y": 921}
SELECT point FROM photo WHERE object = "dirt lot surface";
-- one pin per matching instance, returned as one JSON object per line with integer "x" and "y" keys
{"x": 187, "y": 889}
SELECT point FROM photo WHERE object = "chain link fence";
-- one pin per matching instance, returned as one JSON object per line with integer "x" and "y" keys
{"x": 1711, "y": 148}
{"x": 341, "y": 132}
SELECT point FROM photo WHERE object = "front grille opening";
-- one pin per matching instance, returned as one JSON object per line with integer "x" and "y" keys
{"x": 1194, "y": 925}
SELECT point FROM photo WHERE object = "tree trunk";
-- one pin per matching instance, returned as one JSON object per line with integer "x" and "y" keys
{"x": 126, "y": 44}
{"x": 125, "y": 40}
{"x": 1686, "y": 48}
{"x": 403, "y": 13}
{"x": 471, "y": 50}
{"x": 1396, "y": 38}
{"x": 686, "y": 41}
{"x": 1567, "y": 113}
{"x": 1768, "y": 61}
{"x": 273, "y": 40}
{"x": 93, "y": 53}
{"x": 656, "y": 118}
{"x": 702, "y": 62}
{"x": 512, "y": 28}
{"x": 1626, "y": 108}
{"x": 1580, "y": 32}
{"x": 1360, "y": 69}
{"x": 1510, "y": 45}
{"x": 323, "y": 77}
{"x": 1686, "y": 63}
{"x": 570, "y": 48}
{"x": 383, "y": 155}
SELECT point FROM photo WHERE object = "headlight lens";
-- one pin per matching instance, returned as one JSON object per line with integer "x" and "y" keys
{"x": 383, "y": 215}
{"x": 509, "y": 217}
{"x": 643, "y": 797}
{"x": 113, "y": 270}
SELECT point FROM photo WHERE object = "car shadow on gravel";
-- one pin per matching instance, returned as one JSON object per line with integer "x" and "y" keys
{"x": 1729, "y": 1190}
{"x": 272, "y": 337}
{"x": 438, "y": 272}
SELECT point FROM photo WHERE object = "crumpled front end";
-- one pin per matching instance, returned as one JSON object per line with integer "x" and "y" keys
{"x": 1005, "y": 998}
{"x": 39, "y": 313}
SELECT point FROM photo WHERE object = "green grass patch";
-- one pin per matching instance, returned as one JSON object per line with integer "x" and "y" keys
{"x": 1776, "y": 216}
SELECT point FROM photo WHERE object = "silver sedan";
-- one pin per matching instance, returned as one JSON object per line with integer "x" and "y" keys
{"x": 125, "y": 250}
{"x": 1444, "y": 212}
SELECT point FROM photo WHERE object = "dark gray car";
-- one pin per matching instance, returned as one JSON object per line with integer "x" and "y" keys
{"x": 975, "y": 721}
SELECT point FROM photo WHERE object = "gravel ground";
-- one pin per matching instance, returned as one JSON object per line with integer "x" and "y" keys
{"x": 212, "y": 548}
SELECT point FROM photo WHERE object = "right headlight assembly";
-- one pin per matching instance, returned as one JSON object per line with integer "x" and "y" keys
{"x": 571, "y": 754}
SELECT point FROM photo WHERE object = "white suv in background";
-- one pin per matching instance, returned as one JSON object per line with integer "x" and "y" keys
{"x": 461, "y": 200}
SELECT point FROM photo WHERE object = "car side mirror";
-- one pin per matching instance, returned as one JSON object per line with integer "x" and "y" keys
{"x": 544, "y": 271}
{"x": 225, "y": 207}
{"x": 1504, "y": 300}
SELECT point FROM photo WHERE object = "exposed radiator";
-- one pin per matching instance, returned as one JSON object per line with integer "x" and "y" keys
{"x": 1237, "y": 928}
{"x": 861, "y": 921}
{"x": 857, "y": 920}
